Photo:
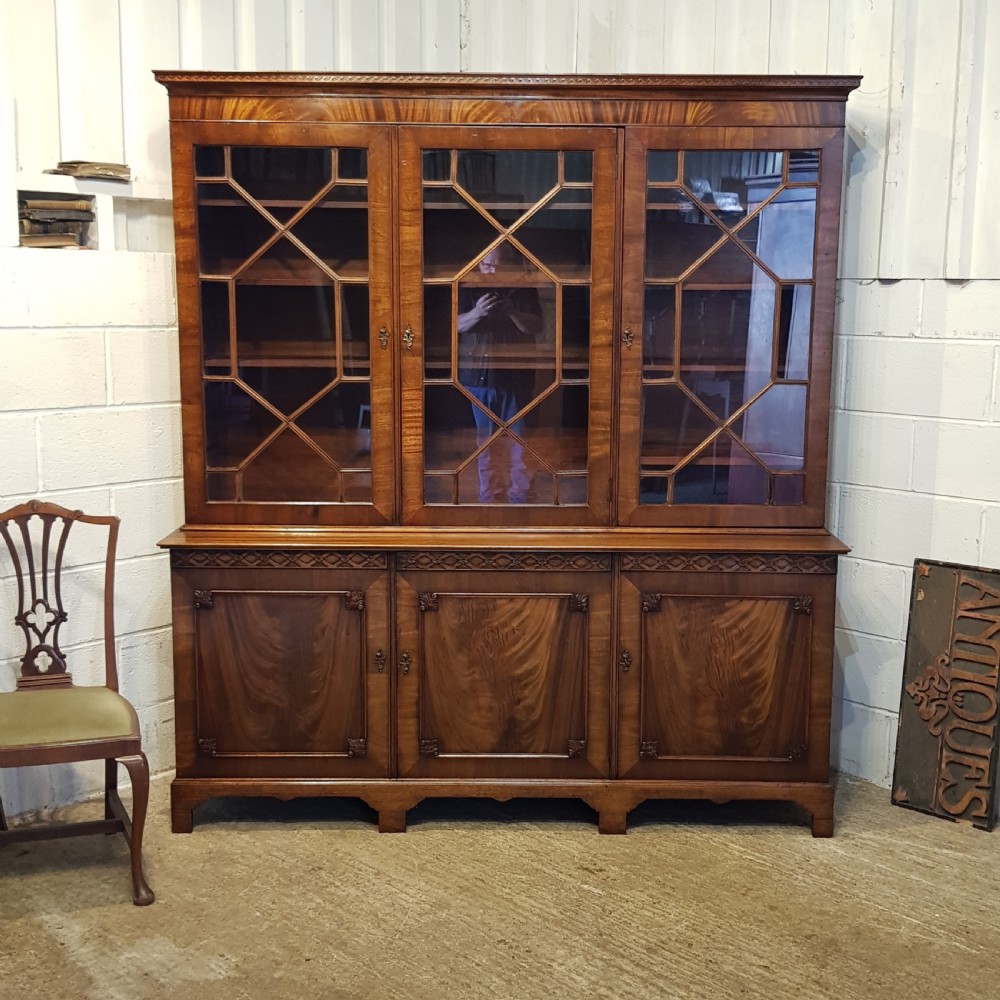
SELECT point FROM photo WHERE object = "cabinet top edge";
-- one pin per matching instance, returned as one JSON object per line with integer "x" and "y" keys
{"x": 804, "y": 540}
{"x": 788, "y": 86}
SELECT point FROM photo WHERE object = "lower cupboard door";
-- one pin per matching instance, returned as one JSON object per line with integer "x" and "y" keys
{"x": 286, "y": 685}
{"x": 502, "y": 684}
{"x": 721, "y": 686}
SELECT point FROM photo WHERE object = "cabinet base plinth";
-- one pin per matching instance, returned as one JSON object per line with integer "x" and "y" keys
{"x": 611, "y": 800}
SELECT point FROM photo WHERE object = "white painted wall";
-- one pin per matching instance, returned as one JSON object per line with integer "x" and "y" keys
{"x": 88, "y": 385}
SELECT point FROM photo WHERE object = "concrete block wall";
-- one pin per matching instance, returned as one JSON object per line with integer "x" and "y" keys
{"x": 90, "y": 419}
{"x": 915, "y": 469}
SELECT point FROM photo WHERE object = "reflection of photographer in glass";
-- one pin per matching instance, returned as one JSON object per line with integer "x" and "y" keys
{"x": 497, "y": 329}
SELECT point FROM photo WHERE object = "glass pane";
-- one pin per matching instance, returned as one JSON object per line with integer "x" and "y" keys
{"x": 221, "y": 486}
{"x": 803, "y": 166}
{"x": 337, "y": 232}
{"x": 354, "y": 330}
{"x": 675, "y": 240}
{"x": 437, "y": 332}
{"x": 215, "y": 327}
{"x": 497, "y": 178}
{"x": 454, "y": 233}
{"x": 357, "y": 487}
{"x": 283, "y": 263}
{"x": 578, "y": 167}
{"x": 785, "y": 232}
{"x": 787, "y": 490}
{"x": 287, "y": 470}
{"x": 339, "y": 423}
{"x": 659, "y": 312}
{"x": 575, "y": 332}
{"x": 209, "y": 161}
{"x": 726, "y": 337}
{"x": 727, "y": 182}
{"x": 673, "y": 426}
{"x": 504, "y": 338}
{"x": 286, "y": 389}
{"x": 555, "y": 428}
{"x": 661, "y": 166}
{"x": 571, "y": 490}
{"x": 235, "y": 424}
{"x": 506, "y": 472}
{"x": 437, "y": 165}
{"x": 558, "y": 235}
{"x": 352, "y": 164}
{"x": 723, "y": 472}
{"x": 793, "y": 332}
{"x": 229, "y": 230}
{"x": 285, "y": 323}
{"x": 774, "y": 427}
{"x": 440, "y": 489}
{"x": 281, "y": 173}
{"x": 451, "y": 418}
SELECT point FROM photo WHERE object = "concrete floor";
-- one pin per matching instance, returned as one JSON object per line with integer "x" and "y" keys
{"x": 480, "y": 900}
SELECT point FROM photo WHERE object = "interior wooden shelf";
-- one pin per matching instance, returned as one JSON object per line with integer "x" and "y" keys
{"x": 214, "y": 202}
{"x": 293, "y": 354}
{"x": 272, "y": 271}
{"x": 447, "y": 273}
{"x": 501, "y": 206}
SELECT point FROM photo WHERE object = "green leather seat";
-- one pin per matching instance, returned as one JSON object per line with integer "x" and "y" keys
{"x": 65, "y": 715}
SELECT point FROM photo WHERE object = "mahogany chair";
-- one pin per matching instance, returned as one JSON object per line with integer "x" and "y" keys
{"x": 48, "y": 719}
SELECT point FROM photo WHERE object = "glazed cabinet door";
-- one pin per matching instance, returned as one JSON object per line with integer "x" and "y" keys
{"x": 285, "y": 319}
{"x": 727, "y": 305}
{"x": 502, "y": 673}
{"x": 725, "y": 674}
{"x": 281, "y": 672}
{"x": 506, "y": 274}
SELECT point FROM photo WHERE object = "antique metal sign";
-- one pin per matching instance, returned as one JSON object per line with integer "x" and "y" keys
{"x": 946, "y": 749}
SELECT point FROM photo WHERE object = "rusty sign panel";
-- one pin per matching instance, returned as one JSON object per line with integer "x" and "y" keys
{"x": 946, "y": 750}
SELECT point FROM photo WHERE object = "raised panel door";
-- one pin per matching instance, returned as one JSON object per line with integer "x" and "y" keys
{"x": 724, "y": 676}
{"x": 281, "y": 673}
{"x": 502, "y": 674}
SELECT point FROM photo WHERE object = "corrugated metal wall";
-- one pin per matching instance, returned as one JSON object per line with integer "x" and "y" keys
{"x": 924, "y": 146}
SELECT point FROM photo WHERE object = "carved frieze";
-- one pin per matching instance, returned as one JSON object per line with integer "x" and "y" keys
{"x": 275, "y": 559}
{"x": 577, "y": 562}
{"x": 727, "y": 562}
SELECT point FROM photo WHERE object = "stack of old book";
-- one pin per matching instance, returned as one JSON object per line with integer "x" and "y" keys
{"x": 54, "y": 222}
